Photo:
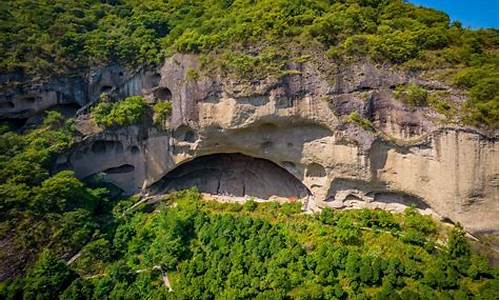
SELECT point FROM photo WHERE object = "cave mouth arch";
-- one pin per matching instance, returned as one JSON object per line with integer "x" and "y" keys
{"x": 233, "y": 174}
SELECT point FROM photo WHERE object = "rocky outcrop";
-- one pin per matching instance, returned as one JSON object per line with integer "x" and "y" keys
{"x": 298, "y": 133}
{"x": 22, "y": 98}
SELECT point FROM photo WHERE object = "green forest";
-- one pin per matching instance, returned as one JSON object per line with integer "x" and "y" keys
{"x": 250, "y": 38}
{"x": 66, "y": 238}
{"x": 210, "y": 250}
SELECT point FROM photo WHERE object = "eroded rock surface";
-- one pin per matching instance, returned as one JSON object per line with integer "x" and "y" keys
{"x": 299, "y": 124}
{"x": 22, "y": 98}
{"x": 233, "y": 174}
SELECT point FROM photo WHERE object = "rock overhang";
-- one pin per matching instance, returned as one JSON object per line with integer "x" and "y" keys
{"x": 301, "y": 123}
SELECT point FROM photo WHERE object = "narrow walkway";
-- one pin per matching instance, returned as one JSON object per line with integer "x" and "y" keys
{"x": 164, "y": 276}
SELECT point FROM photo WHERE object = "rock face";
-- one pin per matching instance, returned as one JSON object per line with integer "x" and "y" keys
{"x": 294, "y": 136}
{"x": 20, "y": 98}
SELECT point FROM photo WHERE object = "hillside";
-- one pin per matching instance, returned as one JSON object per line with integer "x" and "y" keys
{"x": 48, "y": 38}
{"x": 263, "y": 251}
{"x": 354, "y": 144}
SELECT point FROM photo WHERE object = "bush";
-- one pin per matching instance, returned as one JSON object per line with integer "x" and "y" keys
{"x": 48, "y": 278}
{"x": 291, "y": 208}
{"x": 397, "y": 47}
{"x": 62, "y": 192}
{"x": 412, "y": 94}
{"x": 162, "y": 110}
{"x": 355, "y": 117}
{"x": 124, "y": 113}
{"x": 458, "y": 245}
{"x": 327, "y": 216}
{"x": 250, "y": 205}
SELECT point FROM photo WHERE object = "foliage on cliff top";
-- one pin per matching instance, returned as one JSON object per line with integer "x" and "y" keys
{"x": 54, "y": 35}
{"x": 266, "y": 251}
{"x": 41, "y": 37}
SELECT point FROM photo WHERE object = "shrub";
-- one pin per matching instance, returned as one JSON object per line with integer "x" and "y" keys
{"x": 457, "y": 243}
{"x": 412, "y": 94}
{"x": 62, "y": 192}
{"x": 327, "y": 216}
{"x": 162, "y": 110}
{"x": 355, "y": 117}
{"x": 397, "y": 47}
{"x": 481, "y": 106}
{"x": 126, "y": 112}
{"x": 192, "y": 74}
{"x": 291, "y": 208}
{"x": 48, "y": 278}
{"x": 250, "y": 205}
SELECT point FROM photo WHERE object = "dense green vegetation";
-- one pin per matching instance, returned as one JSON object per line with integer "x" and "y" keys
{"x": 40, "y": 209}
{"x": 412, "y": 94}
{"x": 249, "y": 38}
{"x": 265, "y": 251}
{"x": 227, "y": 251}
{"x": 355, "y": 117}
{"x": 126, "y": 112}
{"x": 162, "y": 110}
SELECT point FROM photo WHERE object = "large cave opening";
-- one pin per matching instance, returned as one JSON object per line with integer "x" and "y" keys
{"x": 233, "y": 174}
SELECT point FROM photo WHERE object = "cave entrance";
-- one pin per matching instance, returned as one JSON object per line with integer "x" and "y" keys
{"x": 233, "y": 174}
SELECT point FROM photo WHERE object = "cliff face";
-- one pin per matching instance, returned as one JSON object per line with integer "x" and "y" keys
{"x": 301, "y": 125}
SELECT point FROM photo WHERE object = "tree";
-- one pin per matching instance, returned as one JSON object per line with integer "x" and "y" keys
{"x": 123, "y": 113}
{"x": 48, "y": 278}
{"x": 457, "y": 243}
{"x": 62, "y": 192}
{"x": 250, "y": 205}
{"x": 79, "y": 289}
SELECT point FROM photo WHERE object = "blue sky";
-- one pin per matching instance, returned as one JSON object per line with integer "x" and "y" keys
{"x": 471, "y": 13}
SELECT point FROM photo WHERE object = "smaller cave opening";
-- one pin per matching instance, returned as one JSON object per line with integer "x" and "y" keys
{"x": 16, "y": 124}
{"x": 189, "y": 136}
{"x": 401, "y": 198}
{"x": 133, "y": 149}
{"x": 125, "y": 168}
{"x": 163, "y": 93}
{"x": 352, "y": 197}
{"x": 364, "y": 88}
{"x": 315, "y": 170}
{"x": 29, "y": 99}
{"x": 68, "y": 109}
{"x": 100, "y": 147}
{"x": 106, "y": 88}
{"x": 185, "y": 133}
{"x": 268, "y": 127}
{"x": 7, "y": 105}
